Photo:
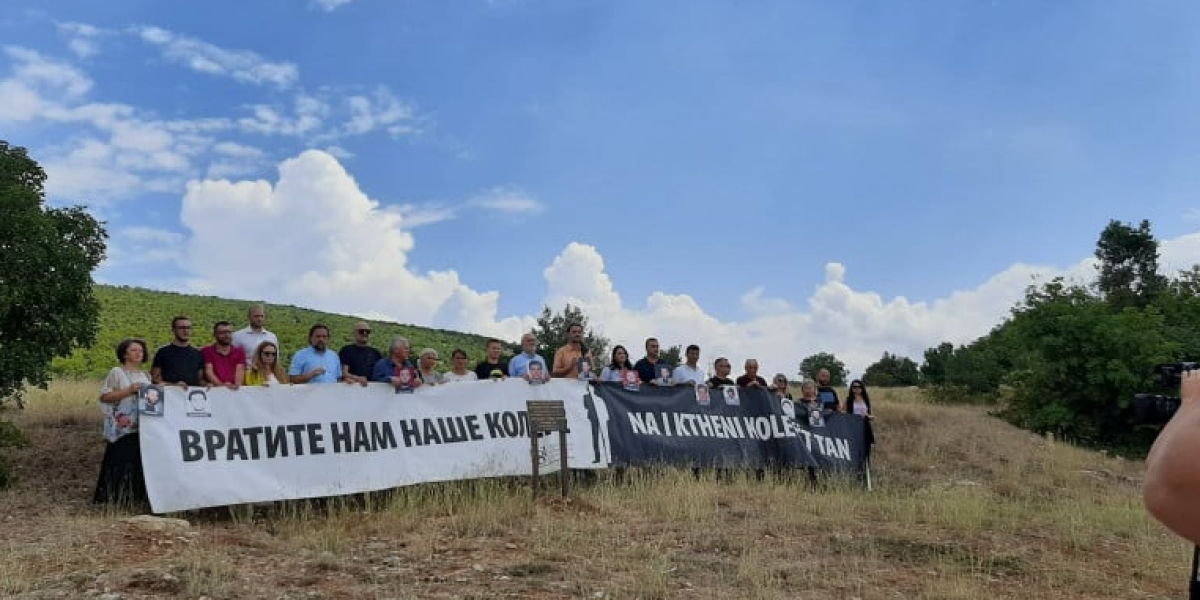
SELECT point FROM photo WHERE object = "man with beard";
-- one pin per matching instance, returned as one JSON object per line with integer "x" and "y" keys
{"x": 566, "y": 359}
{"x": 224, "y": 363}
{"x": 828, "y": 395}
{"x": 316, "y": 363}
{"x": 178, "y": 363}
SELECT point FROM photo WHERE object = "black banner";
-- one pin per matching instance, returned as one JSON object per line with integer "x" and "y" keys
{"x": 671, "y": 425}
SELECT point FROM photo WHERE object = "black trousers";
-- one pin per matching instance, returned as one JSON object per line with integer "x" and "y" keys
{"x": 121, "y": 478}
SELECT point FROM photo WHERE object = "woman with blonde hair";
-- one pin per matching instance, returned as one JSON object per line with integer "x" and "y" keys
{"x": 264, "y": 367}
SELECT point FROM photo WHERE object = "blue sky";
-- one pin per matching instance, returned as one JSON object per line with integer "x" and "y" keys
{"x": 769, "y": 181}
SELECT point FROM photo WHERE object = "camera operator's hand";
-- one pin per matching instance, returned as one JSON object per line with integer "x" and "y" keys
{"x": 1172, "y": 488}
{"x": 1189, "y": 391}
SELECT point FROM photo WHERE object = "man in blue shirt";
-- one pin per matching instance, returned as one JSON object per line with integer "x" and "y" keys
{"x": 316, "y": 363}
{"x": 519, "y": 365}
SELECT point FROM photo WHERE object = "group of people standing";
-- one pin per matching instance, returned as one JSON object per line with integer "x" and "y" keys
{"x": 252, "y": 356}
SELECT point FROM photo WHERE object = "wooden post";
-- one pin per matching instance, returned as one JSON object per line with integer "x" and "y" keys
{"x": 547, "y": 416}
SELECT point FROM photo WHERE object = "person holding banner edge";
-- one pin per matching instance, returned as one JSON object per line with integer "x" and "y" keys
{"x": 121, "y": 477}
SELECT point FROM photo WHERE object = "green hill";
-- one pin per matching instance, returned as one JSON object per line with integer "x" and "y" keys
{"x": 137, "y": 312}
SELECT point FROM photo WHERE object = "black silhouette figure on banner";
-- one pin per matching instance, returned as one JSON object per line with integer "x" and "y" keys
{"x": 589, "y": 404}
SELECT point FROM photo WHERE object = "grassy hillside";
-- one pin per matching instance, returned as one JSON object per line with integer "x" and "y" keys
{"x": 136, "y": 312}
{"x": 965, "y": 507}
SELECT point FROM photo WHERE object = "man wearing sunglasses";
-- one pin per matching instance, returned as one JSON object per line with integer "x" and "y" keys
{"x": 358, "y": 359}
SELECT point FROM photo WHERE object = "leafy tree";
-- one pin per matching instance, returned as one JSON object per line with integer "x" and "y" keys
{"x": 892, "y": 370}
{"x": 1180, "y": 307}
{"x": 672, "y": 355}
{"x": 1128, "y": 266}
{"x": 47, "y": 256}
{"x": 551, "y": 332}
{"x": 810, "y": 366}
{"x": 933, "y": 370}
{"x": 1088, "y": 362}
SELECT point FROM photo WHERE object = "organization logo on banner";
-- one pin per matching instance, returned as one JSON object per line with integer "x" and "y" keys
{"x": 197, "y": 403}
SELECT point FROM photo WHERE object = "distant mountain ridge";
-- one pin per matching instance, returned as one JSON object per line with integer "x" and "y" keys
{"x": 139, "y": 312}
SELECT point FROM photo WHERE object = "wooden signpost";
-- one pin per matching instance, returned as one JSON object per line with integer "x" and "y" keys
{"x": 548, "y": 416}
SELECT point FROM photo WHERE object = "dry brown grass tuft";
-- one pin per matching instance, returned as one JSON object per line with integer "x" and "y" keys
{"x": 964, "y": 507}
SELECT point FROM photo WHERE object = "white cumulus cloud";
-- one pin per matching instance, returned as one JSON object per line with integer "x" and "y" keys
{"x": 329, "y": 246}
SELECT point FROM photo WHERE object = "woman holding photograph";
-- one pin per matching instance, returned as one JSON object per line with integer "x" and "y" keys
{"x": 121, "y": 478}
{"x": 264, "y": 367}
{"x": 620, "y": 363}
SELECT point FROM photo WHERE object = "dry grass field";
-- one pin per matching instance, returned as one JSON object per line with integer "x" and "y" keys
{"x": 964, "y": 507}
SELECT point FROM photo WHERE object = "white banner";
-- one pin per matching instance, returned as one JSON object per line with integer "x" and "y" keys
{"x": 218, "y": 447}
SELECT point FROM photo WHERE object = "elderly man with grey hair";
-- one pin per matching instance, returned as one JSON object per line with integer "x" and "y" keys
{"x": 397, "y": 358}
{"x": 751, "y": 378}
{"x": 518, "y": 366}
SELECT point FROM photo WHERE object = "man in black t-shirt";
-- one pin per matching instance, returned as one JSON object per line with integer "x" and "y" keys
{"x": 358, "y": 359}
{"x": 650, "y": 367}
{"x": 492, "y": 367}
{"x": 722, "y": 367}
{"x": 178, "y": 363}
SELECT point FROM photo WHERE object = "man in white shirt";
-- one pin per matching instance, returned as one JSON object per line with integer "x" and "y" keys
{"x": 249, "y": 337}
{"x": 689, "y": 373}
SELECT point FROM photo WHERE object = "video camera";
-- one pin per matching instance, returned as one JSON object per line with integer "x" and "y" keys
{"x": 1156, "y": 409}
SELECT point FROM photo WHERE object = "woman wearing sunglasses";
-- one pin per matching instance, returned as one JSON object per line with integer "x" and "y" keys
{"x": 264, "y": 367}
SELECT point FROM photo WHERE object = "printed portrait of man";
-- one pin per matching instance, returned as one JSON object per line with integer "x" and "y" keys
{"x": 536, "y": 374}
{"x": 152, "y": 396}
{"x": 197, "y": 402}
